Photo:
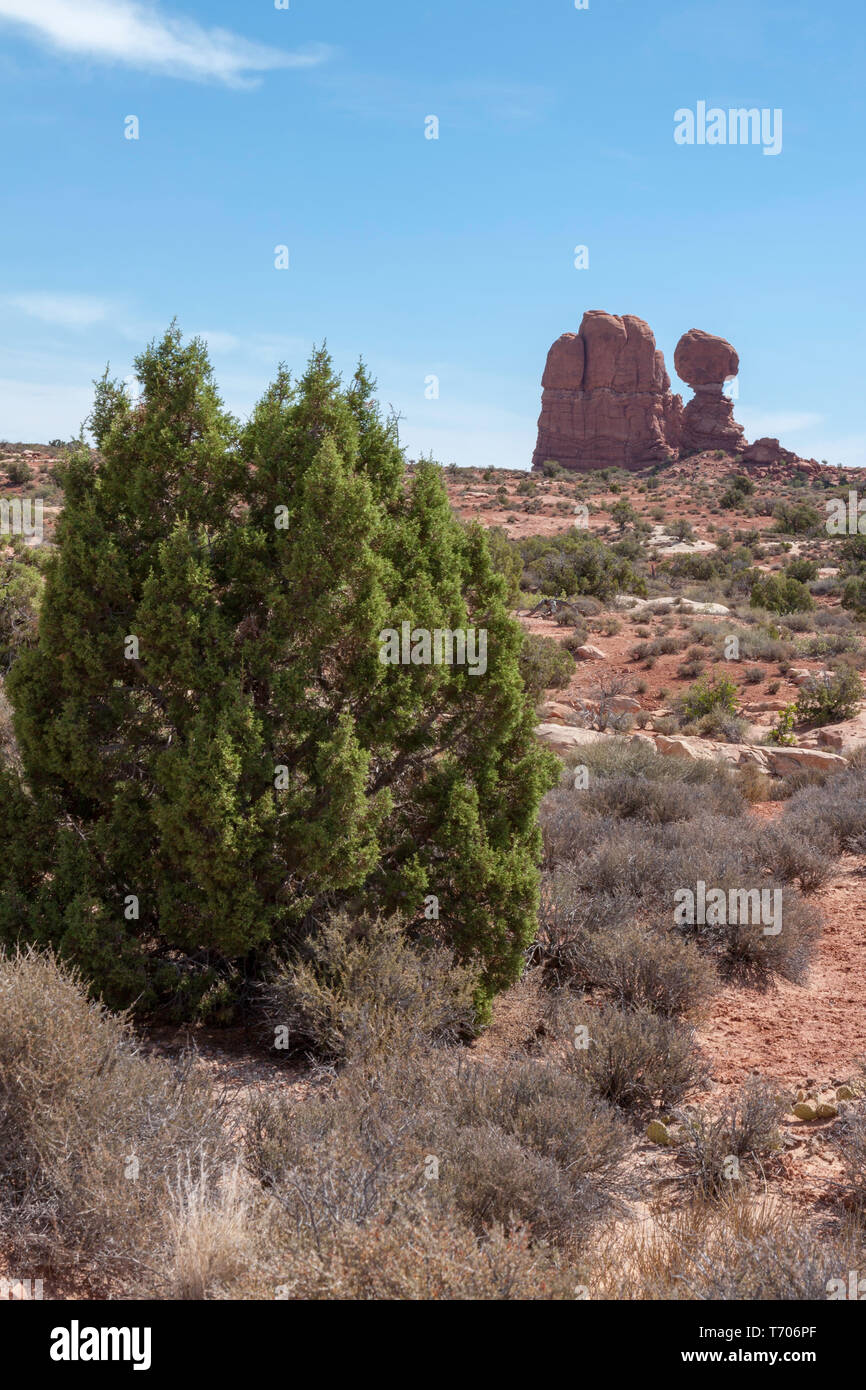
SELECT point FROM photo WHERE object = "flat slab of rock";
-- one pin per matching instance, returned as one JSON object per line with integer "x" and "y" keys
{"x": 624, "y": 704}
{"x": 766, "y": 757}
{"x": 568, "y": 735}
{"x": 554, "y": 709}
{"x": 780, "y": 762}
{"x": 784, "y": 760}
{"x": 847, "y": 736}
{"x": 688, "y": 605}
{"x": 798, "y": 675}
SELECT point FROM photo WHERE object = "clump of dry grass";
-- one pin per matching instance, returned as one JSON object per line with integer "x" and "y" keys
{"x": 737, "y": 1250}
{"x": 718, "y": 1150}
{"x": 92, "y": 1131}
{"x": 851, "y": 1144}
{"x": 211, "y": 1221}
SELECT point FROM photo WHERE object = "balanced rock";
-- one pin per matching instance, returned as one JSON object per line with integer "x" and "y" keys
{"x": 706, "y": 362}
{"x": 606, "y": 398}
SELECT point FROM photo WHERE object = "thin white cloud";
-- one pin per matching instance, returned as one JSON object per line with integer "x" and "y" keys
{"x": 760, "y": 424}
{"x": 141, "y": 36}
{"x": 218, "y": 341}
{"x": 36, "y": 411}
{"x": 62, "y": 310}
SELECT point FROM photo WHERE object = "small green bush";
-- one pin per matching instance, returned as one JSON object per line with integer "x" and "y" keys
{"x": 826, "y": 699}
{"x": 781, "y": 594}
{"x": 19, "y": 472}
{"x": 708, "y": 694}
{"x": 545, "y": 664}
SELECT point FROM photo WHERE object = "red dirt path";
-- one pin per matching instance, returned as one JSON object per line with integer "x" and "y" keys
{"x": 809, "y": 1033}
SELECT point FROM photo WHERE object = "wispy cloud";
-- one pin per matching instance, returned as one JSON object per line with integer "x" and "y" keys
{"x": 774, "y": 424}
{"x": 219, "y": 341}
{"x": 36, "y": 411}
{"x": 62, "y": 310}
{"x": 141, "y": 36}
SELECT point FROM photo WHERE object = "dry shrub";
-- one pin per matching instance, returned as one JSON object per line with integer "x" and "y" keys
{"x": 851, "y": 1142}
{"x": 572, "y": 927}
{"x": 746, "y": 1130}
{"x": 630, "y": 781}
{"x": 790, "y": 856}
{"x": 634, "y": 1059}
{"x": 652, "y": 863}
{"x": 409, "y": 1255}
{"x": 92, "y": 1132}
{"x": 733, "y": 1251}
{"x": 529, "y": 1146}
{"x": 496, "y": 1179}
{"x": 658, "y": 971}
{"x": 363, "y": 988}
{"x": 755, "y": 785}
{"x": 588, "y": 943}
{"x": 831, "y": 816}
{"x": 752, "y": 955}
{"x": 661, "y": 802}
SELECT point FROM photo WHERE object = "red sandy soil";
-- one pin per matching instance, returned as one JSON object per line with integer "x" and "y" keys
{"x": 809, "y": 1034}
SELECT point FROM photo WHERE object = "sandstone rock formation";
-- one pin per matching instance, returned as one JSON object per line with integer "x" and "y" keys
{"x": 778, "y": 761}
{"x": 765, "y": 451}
{"x": 606, "y": 398}
{"x": 706, "y": 363}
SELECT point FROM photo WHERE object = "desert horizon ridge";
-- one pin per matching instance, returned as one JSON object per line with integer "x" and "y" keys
{"x": 432, "y": 694}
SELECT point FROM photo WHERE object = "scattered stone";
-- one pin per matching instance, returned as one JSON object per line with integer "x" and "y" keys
{"x": 554, "y": 709}
{"x": 623, "y": 704}
{"x": 590, "y": 653}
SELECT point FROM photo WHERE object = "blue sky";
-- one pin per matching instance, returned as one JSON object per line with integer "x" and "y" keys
{"x": 305, "y": 127}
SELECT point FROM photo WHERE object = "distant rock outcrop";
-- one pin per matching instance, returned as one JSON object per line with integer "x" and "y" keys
{"x": 606, "y": 398}
{"x": 706, "y": 363}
